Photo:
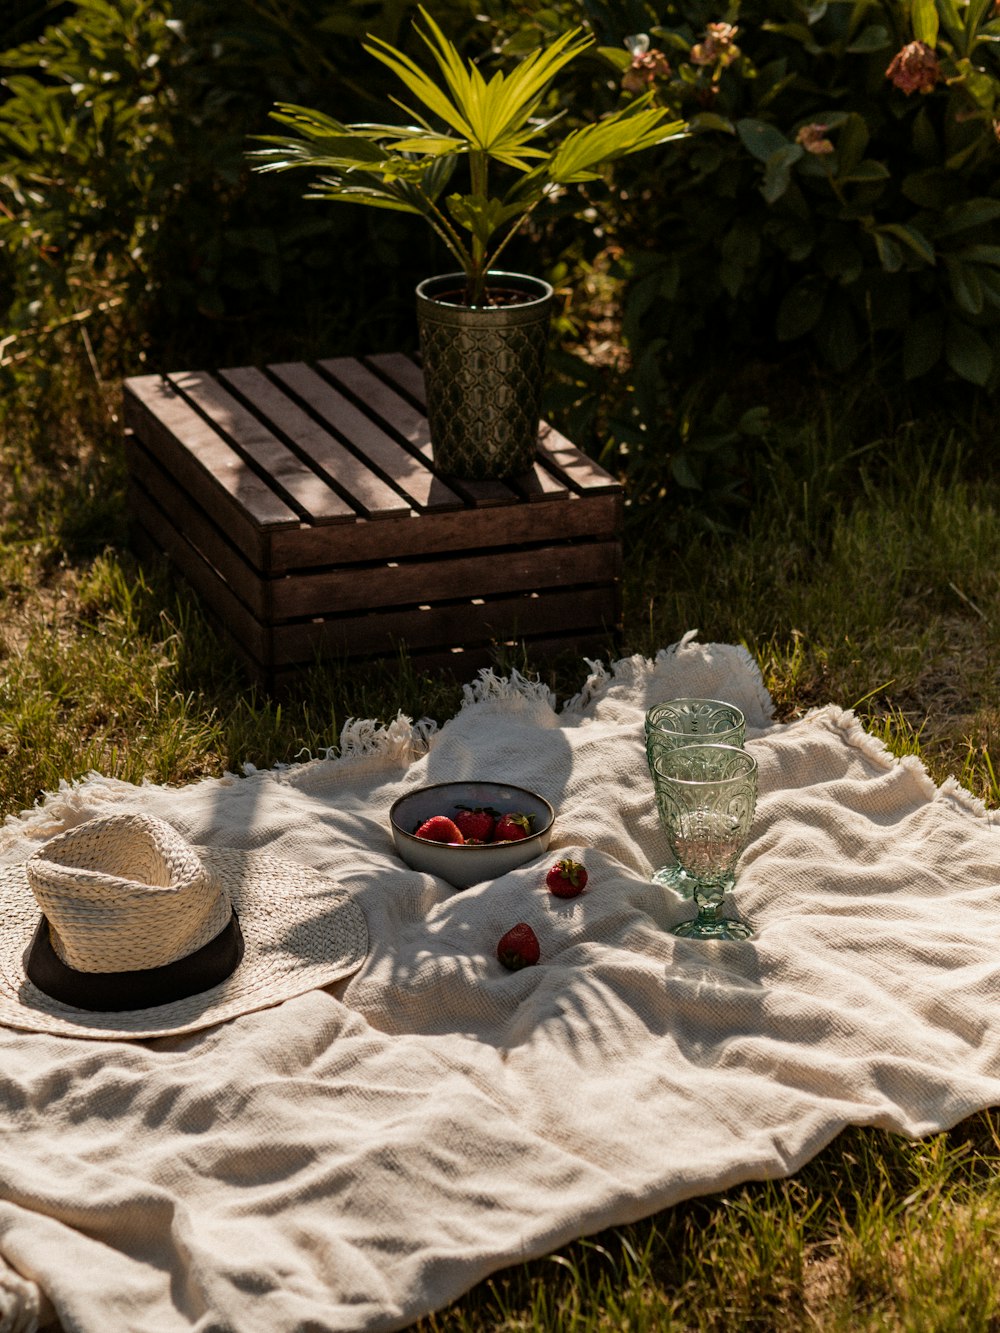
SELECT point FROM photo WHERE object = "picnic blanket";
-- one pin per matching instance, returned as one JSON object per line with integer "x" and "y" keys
{"x": 361, "y": 1155}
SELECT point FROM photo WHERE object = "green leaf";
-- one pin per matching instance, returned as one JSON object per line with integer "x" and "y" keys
{"x": 889, "y": 254}
{"x": 495, "y": 117}
{"x": 777, "y": 171}
{"x": 913, "y": 238}
{"x": 800, "y": 309}
{"x": 990, "y": 283}
{"x": 951, "y": 21}
{"x": 480, "y": 217}
{"x": 798, "y": 32}
{"x": 965, "y": 285}
{"x": 759, "y": 138}
{"x": 851, "y": 143}
{"x": 970, "y": 213}
{"x": 607, "y": 140}
{"x": 924, "y": 18}
{"x": 968, "y": 353}
{"x": 974, "y": 16}
{"x": 868, "y": 170}
{"x": 616, "y": 56}
{"x": 873, "y": 38}
{"x": 927, "y": 189}
{"x": 683, "y": 473}
{"x": 708, "y": 120}
{"x": 923, "y": 342}
{"x": 981, "y": 254}
{"x": 925, "y": 139}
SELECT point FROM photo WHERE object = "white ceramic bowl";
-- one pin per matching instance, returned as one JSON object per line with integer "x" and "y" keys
{"x": 461, "y": 865}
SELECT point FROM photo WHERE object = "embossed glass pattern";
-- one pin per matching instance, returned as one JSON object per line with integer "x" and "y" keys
{"x": 706, "y": 796}
{"x": 683, "y": 722}
{"x": 680, "y": 721}
{"x": 484, "y": 369}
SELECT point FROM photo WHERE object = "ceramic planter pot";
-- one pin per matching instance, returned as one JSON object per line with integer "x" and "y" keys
{"x": 484, "y": 367}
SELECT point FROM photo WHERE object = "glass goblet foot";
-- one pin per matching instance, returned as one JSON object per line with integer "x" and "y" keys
{"x": 710, "y": 926}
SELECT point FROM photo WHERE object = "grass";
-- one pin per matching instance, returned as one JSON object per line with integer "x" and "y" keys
{"x": 867, "y": 574}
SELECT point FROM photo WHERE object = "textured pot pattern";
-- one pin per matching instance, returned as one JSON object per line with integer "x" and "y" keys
{"x": 484, "y": 369}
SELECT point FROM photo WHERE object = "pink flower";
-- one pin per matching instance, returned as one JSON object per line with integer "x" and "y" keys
{"x": 646, "y": 66}
{"x": 914, "y": 69}
{"x": 717, "y": 47}
{"x": 813, "y": 139}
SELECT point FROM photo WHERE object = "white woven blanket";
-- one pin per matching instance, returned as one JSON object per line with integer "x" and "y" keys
{"x": 356, "y": 1157}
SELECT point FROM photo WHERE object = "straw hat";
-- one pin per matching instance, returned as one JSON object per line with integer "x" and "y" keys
{"x": 142, "y": 935}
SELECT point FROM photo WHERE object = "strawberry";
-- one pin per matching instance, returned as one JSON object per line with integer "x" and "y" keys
{"x": 512, "y": 828}
{"x": 439, "y": 828}
{"x": 519, "y": 947}
{"x": 475, "y": 825}
{"x": 566, "y": 879}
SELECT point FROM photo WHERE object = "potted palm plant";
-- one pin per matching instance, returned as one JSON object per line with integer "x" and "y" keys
{"x": 483, "y": 332}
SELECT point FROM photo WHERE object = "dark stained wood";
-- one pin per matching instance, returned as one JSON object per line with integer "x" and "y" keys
{"x": 410, "y": 423}
{"x": 257, "y": 638}
{"x": 176, "y": 511}
{"x": 337, "y": 465}
{"x": 408, "y": 474}
{"x": 302, "y": 506}
{"x": 466, "y": 623}
{"x": 394, "y": 584}
{"x": 537, "y": 484}
{"x": 466, "y": 529}
{"x": 572, "y": 465}
{"x": 315, "y": 498}
{"x": 153, "y": 407}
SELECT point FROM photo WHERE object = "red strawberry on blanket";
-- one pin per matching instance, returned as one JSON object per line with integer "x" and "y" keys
{"x": 519, "y": 947}
{"x": 439, "y": 828}
{"x": 476, "y": 824}
{"x": 566, "y": 879}
{"x": 512, "y": 828}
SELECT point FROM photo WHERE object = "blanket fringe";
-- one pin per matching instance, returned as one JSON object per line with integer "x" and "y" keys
{"x": 515, "y": 688}
{"x": 399, "y": 741}
{"x": 951, "y": 790}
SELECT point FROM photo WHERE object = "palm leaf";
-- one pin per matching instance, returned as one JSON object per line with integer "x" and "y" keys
{"x": 420, "y": 84}
{"x": 607, "y": 140}
{"x": 339, "y": 152}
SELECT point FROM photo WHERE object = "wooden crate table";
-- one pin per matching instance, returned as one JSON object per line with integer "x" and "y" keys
{"x": 300, "y": 501}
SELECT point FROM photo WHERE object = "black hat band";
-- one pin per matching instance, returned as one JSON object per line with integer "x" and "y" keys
{"x": 113, "y": 992}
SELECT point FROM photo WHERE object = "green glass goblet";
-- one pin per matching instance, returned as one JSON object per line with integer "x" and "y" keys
{"x": 706, "y": 796}
{"x": 685, "y": 722}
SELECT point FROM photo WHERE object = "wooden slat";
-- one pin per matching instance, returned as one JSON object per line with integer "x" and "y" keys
{"x": 212, "y": 589}
{"x": 408, "y": 474}
{"x": 149, "y": 485}
{"x": 411, "y": 424}
{"x": 324, "y": 452}
{"x": 447, "y": 626}
{"x": 464, "y": 530}
{"x": 537, "y": 484}
{"x": 156, "y": 412}
{"x": 317, "y": 500}
{"x": 404, "y": 370}
{"x": 572, "y": 465}
{"x": 524, "y": 571}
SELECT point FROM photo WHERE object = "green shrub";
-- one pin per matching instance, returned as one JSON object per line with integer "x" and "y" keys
{"x": 821, "y": 204}
{"x": 125, "y": 198}
{"x": 826, "y": 196}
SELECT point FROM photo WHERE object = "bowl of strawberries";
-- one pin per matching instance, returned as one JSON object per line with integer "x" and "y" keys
{"x": 467, "y": 832}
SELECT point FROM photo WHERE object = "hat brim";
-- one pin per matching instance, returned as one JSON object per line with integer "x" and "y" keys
{"x": 301, "y": 932}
